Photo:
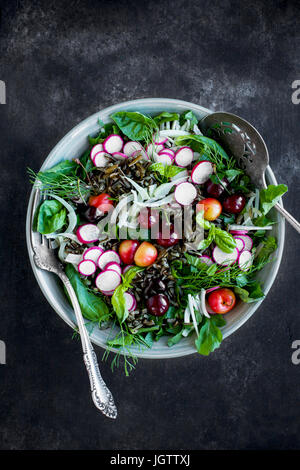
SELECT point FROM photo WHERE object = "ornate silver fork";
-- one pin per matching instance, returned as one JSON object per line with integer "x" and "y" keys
{"x": 45, "y": 258}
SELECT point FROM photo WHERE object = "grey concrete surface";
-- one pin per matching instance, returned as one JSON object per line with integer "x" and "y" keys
{"x": 62, "y": 61}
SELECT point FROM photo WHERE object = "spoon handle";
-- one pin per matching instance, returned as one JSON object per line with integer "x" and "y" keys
{"x": 288, "y": 217}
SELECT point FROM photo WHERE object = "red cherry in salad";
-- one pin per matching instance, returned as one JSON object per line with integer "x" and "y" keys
{"x": 234, "y": 203}
{"x": 216, "y": 189}
{"x": 222, "y": 300}
{"x": 127, "y": 250}
{"x": 148, "y": 218}
{"x": 102, "y": 202}
{"x": 158, "y": 305}
{"x": 167, "y": 240}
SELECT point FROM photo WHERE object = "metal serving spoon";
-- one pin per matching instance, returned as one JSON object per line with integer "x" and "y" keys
{"x": 243, "y": 141}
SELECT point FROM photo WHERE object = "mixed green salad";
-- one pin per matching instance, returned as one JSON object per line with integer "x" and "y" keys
{"x": 160, "y": 231}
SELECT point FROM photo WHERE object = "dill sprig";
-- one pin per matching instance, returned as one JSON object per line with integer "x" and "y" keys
{"x": 65, "y": 186}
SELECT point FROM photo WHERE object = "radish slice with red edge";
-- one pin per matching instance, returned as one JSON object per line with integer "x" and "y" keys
{"x": 87, "y": 267}
{"x": 225, "y": 259}
{"x": 100, "y": 159}
{"x": 211, "y": 289}
{"x": 248, "y": 242}
{"x": 201, "y": 172}
{"x": 126, "y": 268}
{"x": 168, "y": 151}
{"x": 108, "y": 293}
{"x": 164, "y": 158}
{"x": 130, "y": 301}
{"x": 108, "y": 281}
{"x": 96, "y": 149}
{"x": 88, "y": 233}
{"x": 184, "y": 156}
{"x": 114, "y": 267}
{"x": 240, "y": 244}
{"x": 93, "y": 253}
{"x": 109, "y": 256}
{"x": 239, "y": 232}
{"x": 185, "y": 193}
{"x": 245, "y": 260}
{"x": 206, "y": 259}
{"x": 113, "y": 143}
{"x": 131, "y": 147}
{"x": 119, "y": 155}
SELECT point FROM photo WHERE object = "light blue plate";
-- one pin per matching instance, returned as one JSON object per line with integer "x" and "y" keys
{"x": 72, "y": 146}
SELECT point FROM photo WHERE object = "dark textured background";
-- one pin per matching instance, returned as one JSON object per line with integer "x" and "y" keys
{"x": 63, "y": 61}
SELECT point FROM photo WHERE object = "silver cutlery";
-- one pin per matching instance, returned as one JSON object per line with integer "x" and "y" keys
{"x": 46, "y": 258}
{"x": 240, "y": 139}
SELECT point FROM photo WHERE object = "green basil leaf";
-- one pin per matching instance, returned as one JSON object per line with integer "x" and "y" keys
{"x": 270, "y": 196}
{"x": 135, "y": 125}
{"x": 188, "y": 115}
{"x": 52, "y": 217}
{"x": 66, "y": 167}
{"x": 224, "y": 240}
{"x": 195, "y": 261}
{"x": 118, "y": 300}
{"x": 210, "y": 336}
{"x": 202, "y": 222}
{"x": 92, "y": 306}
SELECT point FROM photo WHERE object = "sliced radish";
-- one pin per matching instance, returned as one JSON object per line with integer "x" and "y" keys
{"x": 108, "y": 293}
{"x": 225, "y": 259}
{"x": 109, "y": 256}
{"x": 88, "y": 233}
{"x": 245, "y": 260}
{"x": 201, "y": 172}
{"x": 130, "y": 301}
{"x": 131, "y": 147}
{"x": 100, "y": 159}
{"x": 108, "y": 281}
{"x": 113, "y": 143}
{"x": 126, "y": 268}
{"x": 212, "y": 289}
{"x": 114, "y": 267}
{"x": 119, "y": 155}
{"x": 93, "y": 253}
{"x": 168, "y": 151}
{"x": 184, "y": 156}
{"x": 164, "y": 158}
{"x": 96, "y": 149}
{"x": 185, "y": 193}
{"x": 87, "y": 267}
{"x": 160, "y": 139}
{"x": 240, "y": 244}
{"x": 248, "y": 242}
{"x": 206, "y": 259}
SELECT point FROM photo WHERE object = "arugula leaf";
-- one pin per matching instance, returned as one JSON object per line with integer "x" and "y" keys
{"x": 92, "y": 306}
{"x": 175, "y": 339}
{"x": 195, "y": 261}
{"x": 188, "y": 115}
{"x": 51, "y": 217}
{"x": 270, "y": 245}
{"x": 135, "y": 125}
{"x": 210, "y": 336}
{"x": 270, "y": 196}
{"x": 165, "y": 116}
{"x": 263, "y": 221}
{"x": 212, "y": 150}
{"x": 232, "y": 174}
{"x": 118, "y": 299}
{"x": 250, "y": 294}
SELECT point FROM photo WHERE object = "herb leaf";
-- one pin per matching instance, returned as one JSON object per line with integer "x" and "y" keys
{"x": 210, "y": 336}
{"x": 270, "y": 196}
{"x": 118, "y": 299}
{"x": 51, "y": 217}
{"x": 92, "y": 306}
{"x": 135, "y": 125}
{"x": 165, "y": 117}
